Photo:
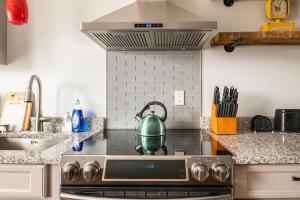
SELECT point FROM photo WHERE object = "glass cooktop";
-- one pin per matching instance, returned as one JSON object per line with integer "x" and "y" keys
{"x": 124, "y": 142}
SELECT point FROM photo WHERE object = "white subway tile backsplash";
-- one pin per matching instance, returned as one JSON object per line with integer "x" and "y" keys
{"x": 127, "y": 68}
{"x": 136, "y": 78}
{"x": 196, "y": 108}
{"x": 140, "y": 61}
{"x": 182, "y": 108}
{"x": 168, "y": 67}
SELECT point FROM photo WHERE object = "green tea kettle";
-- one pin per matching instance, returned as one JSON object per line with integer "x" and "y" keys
{"x": 151, "y": 130}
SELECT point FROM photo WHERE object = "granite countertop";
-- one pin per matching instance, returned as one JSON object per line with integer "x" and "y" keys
{"x": 262, "y": 148}
{"x": 51, "y": 155}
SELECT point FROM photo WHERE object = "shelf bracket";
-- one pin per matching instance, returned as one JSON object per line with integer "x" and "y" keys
{"x": 228, "y": 3}
{"x": 230, "y": 47}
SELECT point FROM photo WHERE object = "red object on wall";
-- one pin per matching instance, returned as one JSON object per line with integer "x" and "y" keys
{"x": 17, "y": 12}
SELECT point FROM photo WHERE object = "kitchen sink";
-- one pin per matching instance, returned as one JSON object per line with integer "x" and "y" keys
{"x": 30, "y": 144}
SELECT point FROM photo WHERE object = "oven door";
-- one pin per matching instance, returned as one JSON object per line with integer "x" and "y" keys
{"x": 141, "y": 192}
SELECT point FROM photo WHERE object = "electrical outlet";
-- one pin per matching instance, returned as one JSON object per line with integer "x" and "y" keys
{"x": 179, "y": 98}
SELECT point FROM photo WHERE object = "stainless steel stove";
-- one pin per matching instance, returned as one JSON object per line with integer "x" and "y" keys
{"x": 112, "y": 168}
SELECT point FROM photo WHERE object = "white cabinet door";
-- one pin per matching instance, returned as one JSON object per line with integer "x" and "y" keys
{"x": 23, "y": 181}
{"x": 3, "y": 34}
{"x": 267, "y": 181}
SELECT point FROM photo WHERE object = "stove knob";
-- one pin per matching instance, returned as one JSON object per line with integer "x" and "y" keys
{"x": 200, "y": 171}
{"x": 220, "y": 172}
{"x": 71, "y": 171}
{"x": 91, "y": 171}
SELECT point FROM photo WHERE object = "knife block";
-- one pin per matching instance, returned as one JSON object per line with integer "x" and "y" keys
{"x": 222, "y": 125}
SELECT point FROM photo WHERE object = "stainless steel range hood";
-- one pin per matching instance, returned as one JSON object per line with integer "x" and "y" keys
{"x": 150, "y": 25}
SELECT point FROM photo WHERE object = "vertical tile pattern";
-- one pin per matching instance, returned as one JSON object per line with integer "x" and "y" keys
{"x": 136, "y": 78}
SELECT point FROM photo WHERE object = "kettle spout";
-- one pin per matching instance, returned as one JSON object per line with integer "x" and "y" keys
{"x": 138, "y": 117}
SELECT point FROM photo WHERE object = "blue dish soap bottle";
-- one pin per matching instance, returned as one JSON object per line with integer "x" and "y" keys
{"x": 77, "y": 125}
{"x": 77, "y": 118}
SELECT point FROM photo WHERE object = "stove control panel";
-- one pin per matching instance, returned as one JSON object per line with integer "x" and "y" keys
{"x": 181, "y": 170}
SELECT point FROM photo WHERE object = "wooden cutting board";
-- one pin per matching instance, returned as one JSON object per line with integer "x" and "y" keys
{"x": 16, "y": 112}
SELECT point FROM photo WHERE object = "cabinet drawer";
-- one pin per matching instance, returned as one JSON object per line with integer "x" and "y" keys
{"x": 267, "y": 181}
{"x": 23, "y": 181}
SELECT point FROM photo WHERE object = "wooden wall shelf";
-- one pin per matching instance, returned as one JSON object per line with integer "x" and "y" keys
{"x": 231, "y": 39}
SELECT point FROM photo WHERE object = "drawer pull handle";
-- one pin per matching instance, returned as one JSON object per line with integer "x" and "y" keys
{"x": 294, "y": 178}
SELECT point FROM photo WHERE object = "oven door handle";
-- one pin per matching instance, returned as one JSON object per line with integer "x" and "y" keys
{"x": 81, "y": 197}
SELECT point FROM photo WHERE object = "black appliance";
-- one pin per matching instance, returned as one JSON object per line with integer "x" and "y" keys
{"x": 111, "y": 168}
{"x": 287, "y": 120}
{"x": 261, "y": 123}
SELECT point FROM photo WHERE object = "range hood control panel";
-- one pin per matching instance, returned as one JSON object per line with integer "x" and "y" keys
{"x": 148, "y": 25}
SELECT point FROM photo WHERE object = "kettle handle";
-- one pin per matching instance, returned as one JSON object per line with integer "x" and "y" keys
{"x": 147, "y": 107}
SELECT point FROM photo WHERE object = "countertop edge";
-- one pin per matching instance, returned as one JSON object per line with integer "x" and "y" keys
{"x": 240, "y": 159}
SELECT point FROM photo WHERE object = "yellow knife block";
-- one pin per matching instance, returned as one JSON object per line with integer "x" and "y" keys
{"x": 222, "y": 125}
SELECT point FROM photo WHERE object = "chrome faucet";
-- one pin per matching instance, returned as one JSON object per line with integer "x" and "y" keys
{"x": 29, "y": 97}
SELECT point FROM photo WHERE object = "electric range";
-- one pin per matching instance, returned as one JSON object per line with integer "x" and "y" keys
{"x": 189, "y": 166}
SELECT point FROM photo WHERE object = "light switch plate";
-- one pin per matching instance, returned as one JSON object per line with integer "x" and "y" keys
{"x": 179, "y": 98}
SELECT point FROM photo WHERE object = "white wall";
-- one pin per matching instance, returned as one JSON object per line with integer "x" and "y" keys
{"x": 72, "y": 66}
{"x": 268, "y": 77}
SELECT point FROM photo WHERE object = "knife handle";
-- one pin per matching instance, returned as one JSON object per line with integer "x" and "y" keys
{"x": 230, "y": 106}
{"x": 236, "y": 110}
{"x": 229, "y": 110}
{"x": 219, "y": 113}
{"x": 223, "y": 109}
